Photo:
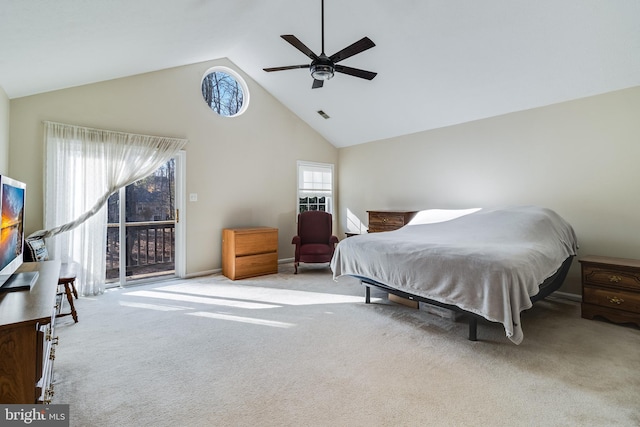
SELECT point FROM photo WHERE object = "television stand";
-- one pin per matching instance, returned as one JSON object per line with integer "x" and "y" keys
{"x": 27, "y": 337}
{"x": 20, "y": 281}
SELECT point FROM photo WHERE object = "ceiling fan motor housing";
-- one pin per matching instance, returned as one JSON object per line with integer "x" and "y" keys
{"x": 322, "y": 68}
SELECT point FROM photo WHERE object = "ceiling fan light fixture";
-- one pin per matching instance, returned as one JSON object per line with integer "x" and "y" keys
{"x": 322, "y": 71}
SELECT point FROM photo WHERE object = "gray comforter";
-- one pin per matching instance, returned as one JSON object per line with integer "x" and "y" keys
{"x": 489, "y": 262}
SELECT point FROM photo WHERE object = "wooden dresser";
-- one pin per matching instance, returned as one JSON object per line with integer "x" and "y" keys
{"x": 611, "y": 289}
{"x": 249, "y": 252}
{"x": 27, "y": 342}
{"x": 388, "y": 220}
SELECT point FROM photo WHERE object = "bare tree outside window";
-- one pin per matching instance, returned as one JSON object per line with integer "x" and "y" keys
{"x": 223, "y": 93}
{"x": 150, "y": 199}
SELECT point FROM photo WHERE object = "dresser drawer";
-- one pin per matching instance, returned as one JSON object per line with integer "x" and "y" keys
{"x": 611, "y": 276}
{"x": 255, "y": 242}
{"x": 619, "y": 300}
{"x": 255, "y": 265}
{"x": 381, "y": 219}
{"x": 380, "y": 228}
{"x": 388, "y": 220}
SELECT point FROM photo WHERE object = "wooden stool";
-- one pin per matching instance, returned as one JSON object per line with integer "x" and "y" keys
{"x": 67, "y": 279}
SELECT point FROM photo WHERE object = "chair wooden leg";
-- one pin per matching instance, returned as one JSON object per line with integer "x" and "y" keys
{"x": 67, "y": 291}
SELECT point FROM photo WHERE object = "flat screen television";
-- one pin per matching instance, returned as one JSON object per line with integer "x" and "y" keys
{"x": 12, "y": 203}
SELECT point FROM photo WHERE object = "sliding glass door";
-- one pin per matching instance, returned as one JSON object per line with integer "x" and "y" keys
{"x": 142, "y": 227}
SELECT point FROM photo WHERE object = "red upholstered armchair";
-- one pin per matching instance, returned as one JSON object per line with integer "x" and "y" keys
{"x": 314, "y": 242}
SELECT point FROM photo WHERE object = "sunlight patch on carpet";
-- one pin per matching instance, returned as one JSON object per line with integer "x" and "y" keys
{"x": 262, "y": 294}
{"x": 262, "y": 322}
{"x": 201, "y": 300}
{"x": 153, "y": 306}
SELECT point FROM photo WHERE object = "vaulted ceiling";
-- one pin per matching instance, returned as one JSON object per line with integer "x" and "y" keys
{"x": 439, "y": 62}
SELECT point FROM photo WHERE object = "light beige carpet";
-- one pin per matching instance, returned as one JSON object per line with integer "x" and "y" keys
{"x": 303, "y": 350}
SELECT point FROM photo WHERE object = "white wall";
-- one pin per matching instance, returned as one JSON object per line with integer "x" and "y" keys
{"x": 579, "y": 158}
{"x": 4, "y": 133}
{"x": 243, "y": 169}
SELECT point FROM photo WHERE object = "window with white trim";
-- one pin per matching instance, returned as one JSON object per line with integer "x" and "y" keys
{"x": 225, "y": 91}
{"x": 315, "y": 187}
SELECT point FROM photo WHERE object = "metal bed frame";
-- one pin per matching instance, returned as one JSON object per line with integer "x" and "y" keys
{"x": 550, "y": 285}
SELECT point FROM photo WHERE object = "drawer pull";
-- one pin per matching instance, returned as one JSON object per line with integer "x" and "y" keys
{"x": 384, "y": 219}
{"x": 48, "y": 394}
{"x": 615, "y": 300}
{"x": 615, "y": 279}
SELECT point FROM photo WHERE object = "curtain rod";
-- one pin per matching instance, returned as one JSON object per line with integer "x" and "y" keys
{"x": 113, "y": 131}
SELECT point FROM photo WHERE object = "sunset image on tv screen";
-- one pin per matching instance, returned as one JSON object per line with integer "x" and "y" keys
{"x": 11, "y": 225}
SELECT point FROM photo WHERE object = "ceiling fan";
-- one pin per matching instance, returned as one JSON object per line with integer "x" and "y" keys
{"x": 323, "y": 67}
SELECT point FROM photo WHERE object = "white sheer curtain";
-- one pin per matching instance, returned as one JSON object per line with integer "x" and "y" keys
{"x": 83, "y": 167}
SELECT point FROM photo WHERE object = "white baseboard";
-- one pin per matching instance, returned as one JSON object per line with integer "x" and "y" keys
{"x": 202, "y": 273}
{"x": 219, "y": 270}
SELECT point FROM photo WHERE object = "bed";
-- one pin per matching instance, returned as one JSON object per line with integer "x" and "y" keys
{"x": 490, "y": 263}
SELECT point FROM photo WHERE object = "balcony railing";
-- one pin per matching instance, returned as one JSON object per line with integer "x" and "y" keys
{"x": 150, "y": 249}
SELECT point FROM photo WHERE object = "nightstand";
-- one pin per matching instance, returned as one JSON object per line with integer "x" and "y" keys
{"x": 611, "y": 289}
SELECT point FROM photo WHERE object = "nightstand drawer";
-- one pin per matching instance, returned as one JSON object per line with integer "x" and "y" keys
{"x": 613, "y": 277}
{"x": 619, "y": 300}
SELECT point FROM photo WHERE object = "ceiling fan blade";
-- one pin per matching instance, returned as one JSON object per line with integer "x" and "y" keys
{"x": 317, "y": 84}
{"x": 289, "y": 67}
{"x": 357, "y": 47}
{"x": 293, "y": 41}
{"x": 363, "y": 74}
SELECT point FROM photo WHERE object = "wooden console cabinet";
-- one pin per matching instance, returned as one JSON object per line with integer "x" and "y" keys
{"x": 27, "y": 343}
{"x": 249, "y": 252}
{"x": 389, "y": 220}
{"x": 611, "y": 289}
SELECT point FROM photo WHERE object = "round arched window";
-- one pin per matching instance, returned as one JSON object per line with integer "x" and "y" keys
{"x": 225, "y": 92}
